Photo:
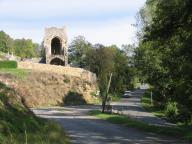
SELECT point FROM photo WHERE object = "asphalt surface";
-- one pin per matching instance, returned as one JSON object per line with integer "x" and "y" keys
{"x": 84, "y": 129}
{"x": 131, "y": 106}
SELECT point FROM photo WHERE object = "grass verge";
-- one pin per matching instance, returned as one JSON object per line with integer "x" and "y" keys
{"x": 146, "y": 103}
{"x": 115, "y": 97}
{"x": 184, "y": 133}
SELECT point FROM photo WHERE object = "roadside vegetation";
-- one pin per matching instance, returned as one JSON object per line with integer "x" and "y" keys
{"x": 19, "y": 125}
{"x": 179, "y": 132}
{"x": 146, "y": 103}
{"x": 164, "y": 56}
{"x": 106, "y": 62}
{"x": 169, "y": 113}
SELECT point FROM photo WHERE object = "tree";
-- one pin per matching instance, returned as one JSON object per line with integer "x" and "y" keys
{"x": 164, "y": 52}
{"x": 106, "y": 60}
{"x": 6, "y": 43}
{"x": 24, "y": 48}
{"x": 103, "y": 66}
{"x": 78, "y": 50}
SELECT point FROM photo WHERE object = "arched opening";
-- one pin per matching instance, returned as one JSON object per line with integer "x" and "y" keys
{"x": 57, "y": 61}
{"x": 56, "y": 46}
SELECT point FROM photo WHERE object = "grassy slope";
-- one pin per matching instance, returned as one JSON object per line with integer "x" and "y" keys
{"x": 19, "y": 125}
{"x": 19, "y": 73}
{"x": 185, "y": 133}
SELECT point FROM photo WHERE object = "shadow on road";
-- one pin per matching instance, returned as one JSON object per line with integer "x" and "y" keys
{"x": 84, "y": 129}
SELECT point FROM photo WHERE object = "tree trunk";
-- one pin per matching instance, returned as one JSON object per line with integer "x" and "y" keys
{"x": 106, "y": 95}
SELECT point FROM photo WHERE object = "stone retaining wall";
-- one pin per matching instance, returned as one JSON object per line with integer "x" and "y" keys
{"x": 65, "y": 70}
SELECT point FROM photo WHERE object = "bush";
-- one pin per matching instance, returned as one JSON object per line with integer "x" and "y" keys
{"x": 185, "y": 116}
{"x": 8, "y": 64}
{"x": 74, "y": 98}
{"x": 171, "y": 111}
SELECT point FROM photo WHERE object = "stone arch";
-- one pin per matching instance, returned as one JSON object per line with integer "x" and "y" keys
{"x": 57, "y": 61}
{"x": 56, "y": 46}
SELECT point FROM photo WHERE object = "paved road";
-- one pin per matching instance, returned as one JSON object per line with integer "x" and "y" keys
{"x": 132, "y": 107}
{"x": 84, "y": 129}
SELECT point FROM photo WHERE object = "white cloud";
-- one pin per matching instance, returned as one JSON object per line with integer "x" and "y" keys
{"x": 117, "y": 32}
{"x": 100, "y": 21}
{"x": 112, "y": 32}
{"x": 48, "y": 8}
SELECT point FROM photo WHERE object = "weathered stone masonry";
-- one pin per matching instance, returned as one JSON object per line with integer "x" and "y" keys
{"x": 55, "y": 44}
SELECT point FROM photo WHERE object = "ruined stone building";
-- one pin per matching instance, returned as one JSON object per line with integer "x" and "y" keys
{"x": 55, "y": 44}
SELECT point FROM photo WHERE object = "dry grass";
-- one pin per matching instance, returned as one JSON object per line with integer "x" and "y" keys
{"x": 47, "y": 85}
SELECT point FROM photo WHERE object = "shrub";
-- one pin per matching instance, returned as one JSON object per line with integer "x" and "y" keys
{"x": 66, "y": 80}
{"x": 74, "y": 98}
{"x": 185, "y": 116}
{"x": 8, "y": 64}
{"x": 171, "y": 111}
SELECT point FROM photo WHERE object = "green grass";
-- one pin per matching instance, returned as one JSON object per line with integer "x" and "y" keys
{"x": 19, "y": 73}
{"x": 8, "y": 64}
{"x": 146, "y": 103}
{"x": 18, "y": 125}
{"x": 185, "y": 133}
{"x": 115, "y": 97}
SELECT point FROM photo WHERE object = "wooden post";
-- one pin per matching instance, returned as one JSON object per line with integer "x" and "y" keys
{"x": 109, "y": 83}
{"x": 105, "y": 99}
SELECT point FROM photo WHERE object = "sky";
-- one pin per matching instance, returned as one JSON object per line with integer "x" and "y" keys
{"x": 99, "y": 21}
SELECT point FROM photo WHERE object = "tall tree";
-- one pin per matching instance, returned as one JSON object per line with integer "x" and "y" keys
{"x": 6, "y": 42}
{"x": 164, "y": 53}
{"x": 78, "y": 50}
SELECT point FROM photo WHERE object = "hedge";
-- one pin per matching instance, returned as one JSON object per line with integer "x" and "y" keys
{"x": 8, "y": 64}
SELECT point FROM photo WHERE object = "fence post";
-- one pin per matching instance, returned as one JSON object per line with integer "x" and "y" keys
{"x": 151, "y": 97}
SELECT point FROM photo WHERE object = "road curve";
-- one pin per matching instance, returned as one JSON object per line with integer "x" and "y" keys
{"x": 84, "y": 129}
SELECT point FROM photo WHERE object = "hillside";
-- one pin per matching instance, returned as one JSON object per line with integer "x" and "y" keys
{"x": 46, "y": 85}
{"x": 19, "y": 125}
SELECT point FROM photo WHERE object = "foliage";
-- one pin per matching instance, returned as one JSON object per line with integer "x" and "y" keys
{"x": 73, "y": 98}
{"x": 6, "y": 42}
{"x": 78, "y": 50}
{"x": 100, "y": 59}
{"x": 171, "y": 111}
{"x": 163, "y": 57}
{"x": 104, "y": 60}
{"x": 23, "y": 48}
{"x": 180, "y": 132}
{"x": 8, "y": 64}
{"x": 115, "y": 96}
{"x": 153, "y": 108}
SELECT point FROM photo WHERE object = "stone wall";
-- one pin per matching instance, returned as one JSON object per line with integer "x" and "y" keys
{"x": 65, "y": 70}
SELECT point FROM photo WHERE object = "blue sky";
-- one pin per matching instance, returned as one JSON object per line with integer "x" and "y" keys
{"x": 100, "y": 21}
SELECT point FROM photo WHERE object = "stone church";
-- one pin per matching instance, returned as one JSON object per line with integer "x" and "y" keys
{"x": 55, "y": 44}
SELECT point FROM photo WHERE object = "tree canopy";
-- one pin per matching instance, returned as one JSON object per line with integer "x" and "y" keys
{"x": 23, "y": 48}
{"x": 164, "y": 55}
